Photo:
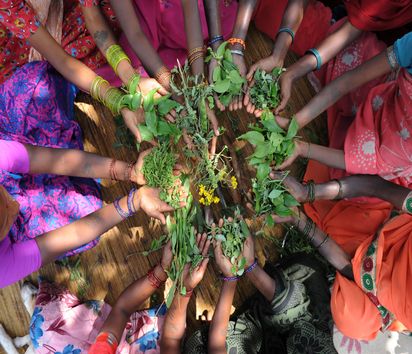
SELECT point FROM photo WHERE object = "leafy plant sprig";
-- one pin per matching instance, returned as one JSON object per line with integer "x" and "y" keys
{"x": 265, "y": 93}
{"x": 227, "y": 81}
{"x": 233, "y": 234}
{"x": 158, "y": 171}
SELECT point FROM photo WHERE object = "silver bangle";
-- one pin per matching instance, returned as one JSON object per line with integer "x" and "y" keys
{"x": 238, "y": 52}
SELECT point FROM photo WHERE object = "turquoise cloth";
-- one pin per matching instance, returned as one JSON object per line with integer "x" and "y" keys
{"x": 403, "y": 51}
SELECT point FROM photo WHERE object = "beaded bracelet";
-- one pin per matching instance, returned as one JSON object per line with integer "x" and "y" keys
{"x": 251, "y": 267}
{"x": 315, "y": 52}
{"x": 114, "y": 55}
{"x": 340, "y": 192}
{"x": 289, "y": 31}
{"x": 233, "y": 41}
{"x": 120, "y": 211}
{"x": 215, "y": 39}
{"x": 133, "y": 83}
{"x": 234, "y": 278}
{"x": 237, "y": 52}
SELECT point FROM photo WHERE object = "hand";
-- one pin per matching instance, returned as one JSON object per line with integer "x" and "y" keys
{"x": 265, "y": 64}
{"x": 298, "y": 190}
{"x": 149, "y": 201}
{"x": 300, "y": 148}
{"x": 239, "y": 61}
{"x": 137, "y": 174}
{"x": 191, "y": 278}
{"x": 282, "y": 122}
{"x": 167, "y": 256}
{"x": 212, "y": 65}
{"x": 285, "y": 82}
{"x": 147, "y": 84}
{"x": 213, "y": 120}
{"x": 132, "y": 120}
{"x": 249, "y": 251}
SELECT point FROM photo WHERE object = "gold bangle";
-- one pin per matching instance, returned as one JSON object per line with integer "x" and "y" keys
{"x": 162, "y": 72}
{"x": 195, "y": 57}
{"x": 196, "y": 50}
{"x": 114, "y": 55}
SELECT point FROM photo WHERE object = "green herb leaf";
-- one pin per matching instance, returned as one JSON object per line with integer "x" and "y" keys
{"x": 253, "y": 137}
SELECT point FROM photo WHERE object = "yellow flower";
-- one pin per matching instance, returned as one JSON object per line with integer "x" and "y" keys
{"x": 216, "y": 200}
{"x": 201, "y": 189}
{"x": 233, "y": 182}
{"x": 202, "y": 200}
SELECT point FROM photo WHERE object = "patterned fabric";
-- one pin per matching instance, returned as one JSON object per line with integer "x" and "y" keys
{"x": 62, "y": 324}
{"x": 162, "y": 21}
{"x": 18, "y": 22}
{"x": 36, "y": 107}
{"x": 298, "y": 320}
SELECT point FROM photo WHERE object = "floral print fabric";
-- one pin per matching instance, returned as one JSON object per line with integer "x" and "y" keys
{"x": 61, "y": 323}
{"x": 36, "y": 107}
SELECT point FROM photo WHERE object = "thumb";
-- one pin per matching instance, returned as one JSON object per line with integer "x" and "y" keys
{"x": 164, "y": 207}
{"x": 162, "y": 91}
{"x": 286, "y": 163}
{"x": 203, "y": 265}
{"x": 282, "y": 104}
{"x": 135, "y": 131}
{"x": 159, "y": 216}
{"x": 252, "y": 70}
{"x": 218, "y": 249}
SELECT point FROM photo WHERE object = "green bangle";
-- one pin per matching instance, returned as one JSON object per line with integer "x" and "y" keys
{"x": 114, "y": 55}
{"x": 113, "y": 100}
{"x": 97, "y": 83}
{"x": 311, "y": 191}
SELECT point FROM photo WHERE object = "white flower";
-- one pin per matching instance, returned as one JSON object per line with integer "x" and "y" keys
{"x": 404, "y": 133}
{"x": 348, "y": 59}
{"x": 377, "y": 103}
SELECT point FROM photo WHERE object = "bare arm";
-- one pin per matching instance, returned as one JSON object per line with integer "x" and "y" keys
{"x": 175, "y": 325}
{"x": 104, "y": 38}
{"x": 55, "y": 243}
{"x": 70, "y": 162}
{"x": 131, "y": 27}
{"x": 330, "y": 94}
{"x": 212, "y": 10}
{"x": 243, "y": 18}
{"x": 194, "y": 33}
{"x": 220, "y": 321}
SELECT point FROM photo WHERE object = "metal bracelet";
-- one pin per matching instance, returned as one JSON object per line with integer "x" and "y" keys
{"x": 237, "y": 52}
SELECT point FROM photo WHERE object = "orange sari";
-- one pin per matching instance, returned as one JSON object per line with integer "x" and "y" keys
{"x": 353, "y": 224}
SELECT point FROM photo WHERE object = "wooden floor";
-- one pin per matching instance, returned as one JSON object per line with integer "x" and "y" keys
{"x": 115, "y": 263}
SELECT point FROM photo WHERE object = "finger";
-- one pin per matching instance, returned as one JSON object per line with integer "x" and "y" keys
{"x": 213, "y": 146}
{"x": 202, "y": 242}
{"x": 258, "y": 113}
{"x": 135, "y": 131}
{"x": 213, "y": 120}
{"x": 198, "y": 237}
{"x": 282, "y": 104}
{"x": 170, "y": 118}
{"x": 218, "y": 103}
{"x": 206, "y": 247}
{"x": 221, "y": 222}
{"x": 162, "y": 91}
{"x": 230, "y": 219}
{"x": 164, "y": 207}
{"x": 251, "y": 72}
{"x": 276, "y": 175}
{"x": 187, "y": 139}
{"x": 203, "y": 265}
{"x": 286, "y": 163}
{"x": 159, "y": 216}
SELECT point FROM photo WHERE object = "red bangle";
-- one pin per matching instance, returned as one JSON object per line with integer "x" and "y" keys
{"x": 233, "y": 41}
{"x": 153, "y": 279}
{"x": 188, "y": 293}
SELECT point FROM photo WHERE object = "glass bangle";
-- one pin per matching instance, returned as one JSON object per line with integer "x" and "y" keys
{"x": 315, "y": 52}
{"x": 289, "y": 31}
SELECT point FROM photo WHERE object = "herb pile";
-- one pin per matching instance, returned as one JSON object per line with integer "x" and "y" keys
{"x": 233, "y": 233}
{"x": 227, "y": 81}
{"x": 266, "y": 91}
{"x": 158, "y": 169}
{"x": 272, "y": 145}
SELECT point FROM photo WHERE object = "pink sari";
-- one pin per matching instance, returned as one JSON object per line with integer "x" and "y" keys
{"x": 163, "y": 23}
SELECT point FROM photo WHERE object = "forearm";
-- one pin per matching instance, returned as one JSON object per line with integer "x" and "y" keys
{"x": 292, "y": 19}
{"x": 194, "y": 34}
{"x": 330, "y": 157}
{"x": 130, "y": 301}
{"x": 262, "y": 282}
{"x": 104, "y": 38}
{"x": 72, "y": 69}
{"x": 212, "y": 10}
{"x": 243, "y": 18}
{"x": 55, "y": 243}
{"x": 330, "y": 94}
{"x": 326, "y": 246}
{"x": 175, "y": 325}
{"x": 220, "y": 321}
{"x": 328, "y": 49}
{"x": 131, "y": 27}
{"x": 70, "y": 162}
{"x": 363, "y": 186}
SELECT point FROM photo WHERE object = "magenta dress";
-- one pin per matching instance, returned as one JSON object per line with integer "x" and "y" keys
{"x": 163, "y": 23}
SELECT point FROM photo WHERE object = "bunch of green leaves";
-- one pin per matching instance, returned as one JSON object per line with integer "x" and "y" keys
{"x": 227, "y": 81}
{"x": 155, "y": 125}
{"x": 158, "y": 169}
{"x": 182, "y": 234}
{"x": 272, "y": 143}
{"x": 233, "y": 234}
{"x": 193, "y": 89}
{"x": 271, "y": 197}
{"x": 265, "y": 93}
